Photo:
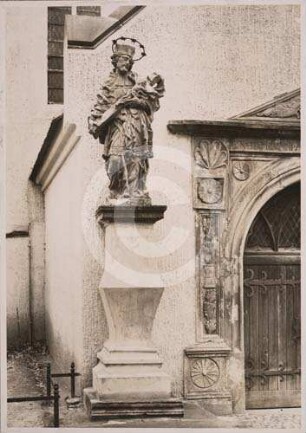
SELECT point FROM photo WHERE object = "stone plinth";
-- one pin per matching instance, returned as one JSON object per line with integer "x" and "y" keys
{"x": 128, "y": 214}
{"x": 128, "y": 380}
{"x": 99, "y": 409}
{"x": 206, "y": 375}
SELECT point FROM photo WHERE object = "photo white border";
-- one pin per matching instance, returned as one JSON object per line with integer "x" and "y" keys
{"x": 3, "y": 347}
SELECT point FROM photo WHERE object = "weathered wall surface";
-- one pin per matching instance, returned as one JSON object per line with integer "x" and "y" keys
{"x": 28, "y": 118}
{"x": 17, "y": 281}
{"x": 64, "y": 265}
{"x": 217, "y": 61}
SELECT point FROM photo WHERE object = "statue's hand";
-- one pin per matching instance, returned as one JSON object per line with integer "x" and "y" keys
{"x": 92, "y": 127}
{"x": 157, "y": 83}
{"x": 156, "y": 80}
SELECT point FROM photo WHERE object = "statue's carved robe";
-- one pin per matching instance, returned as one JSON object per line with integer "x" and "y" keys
{"x": 127, "y": 136}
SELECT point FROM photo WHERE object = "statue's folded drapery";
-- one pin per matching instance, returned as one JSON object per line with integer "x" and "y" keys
{"x": 122, "y": 118}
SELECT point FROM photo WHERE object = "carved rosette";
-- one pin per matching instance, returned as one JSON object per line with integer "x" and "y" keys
{"x": 241, "y": 170}
{"x": 210, "y": 190}
{"x": 204, "y": 372}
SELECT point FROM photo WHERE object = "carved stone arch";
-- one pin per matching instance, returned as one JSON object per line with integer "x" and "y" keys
{"x": 284, "y": 173}
{"x": 279, "y": 175}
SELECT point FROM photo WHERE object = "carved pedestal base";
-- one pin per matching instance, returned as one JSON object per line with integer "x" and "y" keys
{"x": 205, "y": 375}
{"x": 129, "y": 366}
{"x": 128, "y": 380}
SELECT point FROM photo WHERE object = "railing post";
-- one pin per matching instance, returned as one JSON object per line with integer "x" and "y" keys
{"x": 49, "y": 379}
{"x": 56, "y": 405}
{"x": 72, "y": 379}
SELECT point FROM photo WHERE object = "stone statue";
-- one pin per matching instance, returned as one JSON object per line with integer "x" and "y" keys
{"x": 121, "y": 119}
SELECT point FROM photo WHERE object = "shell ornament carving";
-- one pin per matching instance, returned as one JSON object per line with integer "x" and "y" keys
{"x": 211, "y": 154}
{"x": 204, "y": 372}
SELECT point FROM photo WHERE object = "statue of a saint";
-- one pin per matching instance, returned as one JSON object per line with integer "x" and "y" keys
{"x": 121, "y": 119}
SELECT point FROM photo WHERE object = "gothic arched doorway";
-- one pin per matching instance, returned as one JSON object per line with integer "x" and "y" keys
{"x": 272, "y": 304}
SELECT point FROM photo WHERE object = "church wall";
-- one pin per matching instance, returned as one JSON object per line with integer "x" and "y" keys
{"x": 63, "y": 256}
{"x": 223, "y": 60}
{"x": 28, "y": 119}
{"x": 18, "y": 308}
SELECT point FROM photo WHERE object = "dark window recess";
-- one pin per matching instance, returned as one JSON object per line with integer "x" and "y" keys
{"x": 56, "y": 21}
{"x": 55, "y": 79}
{"x": 55, "y": 63}
{"x": 55, "y": 32}
{"x": 92, "y": 11}
{"x": 55, "y": 49}
{"x": 56, "y": 15}
{"x": 56, "y": 95}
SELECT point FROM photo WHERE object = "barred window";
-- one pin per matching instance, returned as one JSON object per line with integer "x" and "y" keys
{"x": 92, "y": 11}
{"x": 56, "y": 21}
{"x": 278, "y": 223}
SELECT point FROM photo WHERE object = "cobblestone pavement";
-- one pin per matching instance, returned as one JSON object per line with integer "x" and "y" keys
{"x": 26, "y": 377}
{"x": 271, "y": 418}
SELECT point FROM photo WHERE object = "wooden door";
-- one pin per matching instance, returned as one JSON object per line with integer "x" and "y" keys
{"x": 272, "y": 304}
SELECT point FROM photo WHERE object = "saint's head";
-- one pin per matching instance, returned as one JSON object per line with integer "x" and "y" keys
{"x": 122, "y": 58}
{"x": 123, "y": 54}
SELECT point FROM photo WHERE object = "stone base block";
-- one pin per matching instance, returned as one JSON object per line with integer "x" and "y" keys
{"x": 99, "y": 409}
{"x": 206, "y": 375}
{"x": 130, "y": 382}
{"x": 129, "y": 354}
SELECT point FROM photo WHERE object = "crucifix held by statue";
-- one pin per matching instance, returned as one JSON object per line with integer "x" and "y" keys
{"x": 121, "y": 118}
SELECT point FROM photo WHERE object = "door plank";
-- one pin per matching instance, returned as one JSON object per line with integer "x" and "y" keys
{"x": 271, "y": 312}
{"x": 282, "y": 339}
{"x": 273, "y": 274}
{"x": 291, "y": 349}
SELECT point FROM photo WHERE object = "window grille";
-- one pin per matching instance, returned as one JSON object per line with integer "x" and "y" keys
{"x": 92, "y": 11}
{"x": 56, "y": 21}
{"x": 278, "y": 223}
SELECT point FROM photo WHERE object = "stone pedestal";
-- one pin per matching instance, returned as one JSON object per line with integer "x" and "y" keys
{"x": 128, "y": 380}
{"x": 206, "y": 375}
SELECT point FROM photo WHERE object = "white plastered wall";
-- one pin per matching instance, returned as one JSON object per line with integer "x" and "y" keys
{"x": 28, "y": 118}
